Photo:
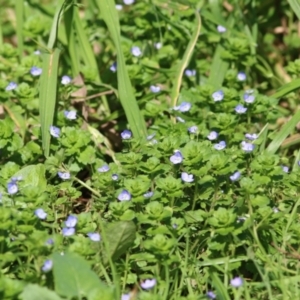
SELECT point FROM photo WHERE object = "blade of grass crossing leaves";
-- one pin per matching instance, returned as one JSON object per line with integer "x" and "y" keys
{"x": 295, "y": 5}
{"x": 219, "y": 286}
{"x": 185, "y": 60}
{"x": 287, "y": 88}
{"x": 20, "y": 21}
{"x": 127, "y": 98}
{"x": 47, "y": 96}
{"x": 287, "y": 129}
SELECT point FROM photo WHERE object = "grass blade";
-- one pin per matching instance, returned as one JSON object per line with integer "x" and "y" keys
{"x": 295, "y": 5}
{"x": 127, "y": 97}
{"x": 287, "y": 88}
{"x": 219, "y": 286}
{"x": 185, "y": 60}
{"x": 20, "y": 24}
{"x": 47, "y": 95}
{"x": 283, "y": 133}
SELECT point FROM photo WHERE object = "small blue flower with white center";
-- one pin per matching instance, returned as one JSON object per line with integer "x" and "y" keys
{"x": 183, "y": 107}
{"x": 158, "y": 45}
{"x": 50, "y": 242}
{"x": 136, "y": 51}
{"x": 119, "y": 6}
{"x": 176, "y": 158}
{"x": 11, "y": 86}
{"x": 236, "y": 282}
{"x": 65, "y": 80}
{"x": 128, "y": 2}
{"x": 154, "y": 88}
{"x": 36, "y": 71}
{"x": 275, "y": 210}
{"x": 248, "y": 98}
{"x": 211, "y": 295}
{"x": 240, "y": 109}
{"x": 124, "y": 196}
{"x": 113, "y": 67}
{"x": 235, "y": 176}
{"x": 180, "y": 120}
{"x": 55, "y": 131}
{"x": 12, "y": 187}
{"x": 125, "y": 297}
{"x": 70, "y": 114}
{"x": 37, "y": 52}
{"x": 285, "y": 169}
{"x": 247, "y": 147}
{"x": 185, "y": 177}
{"x": 213, "y": 135}
{"x": 148, "y": 284}
{"x": 64, "y": 175}
{"x": 241, "y": 76}
{"x": 221, "y": 29}
{"x": 94, "y": 236}
{"x": 68, "y": 231}
{"x": 218, "y": 96}
{"x": 115, "y": 177}
{"x": 150, "y": 137}
{"x": 148, "y": 194}
{"x": 47, "y": 266}
{"x": 71, "y": 221}
{"x": 40, "y": 213}
{"x": 220, "y": 146}
{"x": 190, "y": 73}
{"x": 126, "y": 134}
{"x": 193, "y": 129}
{"x": 251, "y": 136}
{"x": 103, "y": 169}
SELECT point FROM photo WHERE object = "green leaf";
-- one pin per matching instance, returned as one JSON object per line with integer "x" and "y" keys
{"x": 35, "y": 292}
{"x": 120, "y": 236}
{"x": 287, "y": 88}
{"x": 295, "y": 5}
{"x": 73, "y": 277}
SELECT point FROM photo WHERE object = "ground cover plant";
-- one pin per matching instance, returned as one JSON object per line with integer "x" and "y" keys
{"x": 149, "y": 150}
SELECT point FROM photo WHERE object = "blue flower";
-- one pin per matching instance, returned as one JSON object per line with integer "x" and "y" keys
{"x": 55, "y": 131}
{"x": 126, "y": 134}
{"x": 220, "y": 146}
{"x": 148, "y": 194}
{"x": 187, "y": 177}
{"x": 180, "y": 120}
{"x": 11, "y": 86}
{"x": 235, "y": 176}
{"x": 193, "y": 129}
{"x": 148, "y": 284}
{"x": 36, "y": 71}
{"x": 68, "y": 231}
{"x": 128, "y": 2}
{"x": 176, "y": 158}
{"x": 251, "y": 136}
{"x": 12, "y": 187}
{"x": 240, "y": 109}
{"x": 71, "y": 221}
{"x": 124, "y": 196}
{"x": 94, "y": 236}
{"x": 47, "y": 266}
{"x": 285, "y": 169}
{"x": 247, "y": 147}
{"x": 211, "y": 295}
{"x": 136, "y": 51}
{"x": 218, "y": 96}
{"x": 125, "y": 297}
{"x": 183, "y": 107}
{"x": 64, "y": 175}
{"x": 275, "y": 210}
{"x": 70, "y": 114}
{"x": 37, "y": 52}
{"x": 221, "y": 29}
{"x": 236, "y": 282}
{"x": 248, "y": 98}
{"x": 50, "y": 242}
{"x": 113, "y": 67}
{"x": 40, "y": 213}
{"x": 65, "y": 80}
{"x": 190, "y": 73}
{"x": 241, "y": 76}
{"x": 213, "y": 135}
{"x": 158, "y": 45}
{"x": 154, "y": 88}
{"x": 115, "y": 177}
{"x": 103, "y": 169}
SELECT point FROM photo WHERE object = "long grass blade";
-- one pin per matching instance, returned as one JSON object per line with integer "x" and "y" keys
{"x": 287, "y": 88}
{"x": 127, "y": 97}
{"x": 295, "y": 5}
{"x": 19, "y": 5}
{"x": 185, "y": 60}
